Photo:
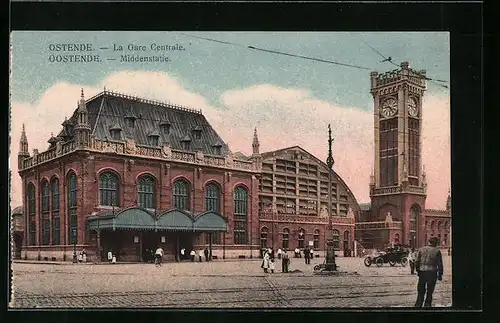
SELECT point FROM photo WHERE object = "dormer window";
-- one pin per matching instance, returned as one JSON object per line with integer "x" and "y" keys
{"x": 186, "y": 143}
{"x": 197, "y": 132}
{"x": 116, "y": 132}
{"x": 153, "y": 138}
{"x": 217, "y": 148}
{"x": 130, "y": 121}
{"x": 165, "y": 127}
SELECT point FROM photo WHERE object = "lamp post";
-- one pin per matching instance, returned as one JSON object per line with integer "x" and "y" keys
{"x": 73, "y": 234}
{"x": 330, "y": 251}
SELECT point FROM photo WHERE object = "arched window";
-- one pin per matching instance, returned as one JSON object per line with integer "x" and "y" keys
{"x": 146, "y": 192}
{"x": 446, "y": 225}
{"x": 263, "y": 237}
{"x": 425, "y": 238}
{"x": 440, "y": 226}
{"x": 109, "y": 189}
{"x": 445, "y": 241}
{"x": 433, "y": 225}
{"x": 426, "y": 224}
{"x": 316, "y": 239}
{"x": 285, "y": 238}
{"x": 240, "y": 215}
{"x": 336, "y": 238}
{"x": 56, "y": 223}
{"x": 45, "y": 216}
{"x": 32, "y": 214}
{"x": 72, "y": 208}
{"x": 301, "y": 238}
{"x": 346, "y": 240}
{"x": 212, "y": 197}
{"x": 396, "y": 238}
{"x": 181, "y": 195}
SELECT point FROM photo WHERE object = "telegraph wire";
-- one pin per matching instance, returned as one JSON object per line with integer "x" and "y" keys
{"x": 255, "y": 48}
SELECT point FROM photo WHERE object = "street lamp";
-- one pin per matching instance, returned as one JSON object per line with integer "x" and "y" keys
{"x": 73, "y": 234}
{"x": 330, "y": 251}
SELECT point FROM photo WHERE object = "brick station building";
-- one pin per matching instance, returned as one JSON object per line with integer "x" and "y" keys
{"x": 127, "y": 175}
{"x": 398, "y": 185}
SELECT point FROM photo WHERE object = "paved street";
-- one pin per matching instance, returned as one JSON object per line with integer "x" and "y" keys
{"x": 217, "y": 284}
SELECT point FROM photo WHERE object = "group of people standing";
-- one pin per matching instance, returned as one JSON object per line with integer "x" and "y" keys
{"x": 192, "y": 255}
{"x": 268, "y": 262}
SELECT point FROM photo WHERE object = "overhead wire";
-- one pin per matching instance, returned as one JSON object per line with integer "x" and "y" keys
{"x": 251, "y": 47}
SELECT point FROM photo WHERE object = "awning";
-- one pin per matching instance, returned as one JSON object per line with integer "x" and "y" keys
{"x": 136, "y": 218}
{"x": 131, "y": 219}
{"x": 210, "y": 221}
{"x": 175, "y": 220}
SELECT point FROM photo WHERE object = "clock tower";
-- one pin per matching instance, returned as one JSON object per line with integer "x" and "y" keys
{"x": 398, "y": 184}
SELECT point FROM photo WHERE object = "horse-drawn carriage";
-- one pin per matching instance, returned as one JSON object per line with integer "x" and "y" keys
{"x": 393, "y": 256}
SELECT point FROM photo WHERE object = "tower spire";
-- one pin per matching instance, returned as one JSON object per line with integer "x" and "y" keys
{"x": 255, "y": 143}
{"x": 23, "y": 142}
{"x": 82, "y": 128}
{"x": 329, "y": 160}
{"x": 448, "y": 200}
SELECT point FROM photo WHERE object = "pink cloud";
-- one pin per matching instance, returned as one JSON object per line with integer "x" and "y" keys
{"x": 284, "y": 117}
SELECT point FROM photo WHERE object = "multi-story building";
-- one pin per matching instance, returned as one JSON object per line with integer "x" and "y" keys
{"x": 128, "y": 175}
{"x": 293, "y": 202}
{"x": 398, "y": 186}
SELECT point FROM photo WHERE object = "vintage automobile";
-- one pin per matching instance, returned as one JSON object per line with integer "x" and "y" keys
{"x": 392, "y": 256}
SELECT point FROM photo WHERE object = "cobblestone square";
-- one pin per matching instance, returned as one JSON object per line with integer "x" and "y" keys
{"x": 230, "y": 284}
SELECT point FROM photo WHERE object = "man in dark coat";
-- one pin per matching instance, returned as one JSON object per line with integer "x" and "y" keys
{"x": 429, "y": 267}
{"x": 206, "y": 254}
{"x": 307, "y": 255}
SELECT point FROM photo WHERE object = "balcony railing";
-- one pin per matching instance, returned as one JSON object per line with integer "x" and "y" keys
{"x": 130, "y": 148}
{"x": 379, "y": 225}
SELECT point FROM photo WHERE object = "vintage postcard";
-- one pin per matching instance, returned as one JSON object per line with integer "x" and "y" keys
{"x": 230, "y": 169}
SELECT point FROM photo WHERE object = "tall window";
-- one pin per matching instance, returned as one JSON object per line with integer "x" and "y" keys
{"x": 32, "y": 214}
{"x": 55, "y": 213}
{"x": 388, "y": 152}
{"x": 336, "y": 239}
{"x": 316, "y": 239}
{"x": 72, "y": 208}
{"x": 440, "y": 226}
{"x": 413, "y": 126}
{"x": 346, "y": 240}
{"x": 146, "y": 192}
{"x": 181, "y": 195}
{"x": 302, "y": 237}
{"x": 240, "y": 215}
{"x": 263, "y": 237}
{"x": 413, "y": 226}
{"x": 44, "y": 219}
{"x": 285, "y": 239}
{"x": 109, "y": 189}
{"x": 212, "y": 197}
{"x": 215, "y": 238}
{"x": 433, "y": 225}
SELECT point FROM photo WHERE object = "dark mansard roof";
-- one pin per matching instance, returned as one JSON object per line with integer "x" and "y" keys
{"x": 109, "y": 110}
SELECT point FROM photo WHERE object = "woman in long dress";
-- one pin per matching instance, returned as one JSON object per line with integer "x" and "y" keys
{"x": 265, "y": 262}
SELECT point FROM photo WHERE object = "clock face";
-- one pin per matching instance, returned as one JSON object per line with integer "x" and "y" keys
{"x": 412, "y": 107}
{"x": 389, "y": 107}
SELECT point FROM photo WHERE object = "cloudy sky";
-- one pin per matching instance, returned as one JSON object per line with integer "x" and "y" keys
{"x": 290, "y": 100}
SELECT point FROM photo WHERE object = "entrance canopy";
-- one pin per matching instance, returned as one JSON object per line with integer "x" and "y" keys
{"x": 136, "y": 218}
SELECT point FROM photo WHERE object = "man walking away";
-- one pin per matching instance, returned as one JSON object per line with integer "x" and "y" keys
{"x": 306, "y": 255}
{"x": 206, "y": 254}
{"x": 429, "y": 266}
{"x": 200, "y": 255}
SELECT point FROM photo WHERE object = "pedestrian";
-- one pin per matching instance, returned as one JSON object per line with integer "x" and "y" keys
{"x": 265, "y": 262}
{"x": 80, "y": 257}
{"x": 306, "y": 255}
{"x": 449, "y": 251}
{"x": 110, "y": 256}
{"x": 206, "y": 254}
{"x": 285, "y": 262}
{"x": 183, "y": 253}
{"x": 192, "y": 254}
{"x": 429, "y": 266}
{"x": 200, "y": 255}
{"x": 296, "y": 252}
{"x": 412, "y": 256}
{"x": 279, "y": 253}
{"x": 84, "y": 255}
{"x": 312, "y": 254}
{"x": 271, "y": 254}
{"x": 113, "y": 260}
{"x": 271, "y": 266}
